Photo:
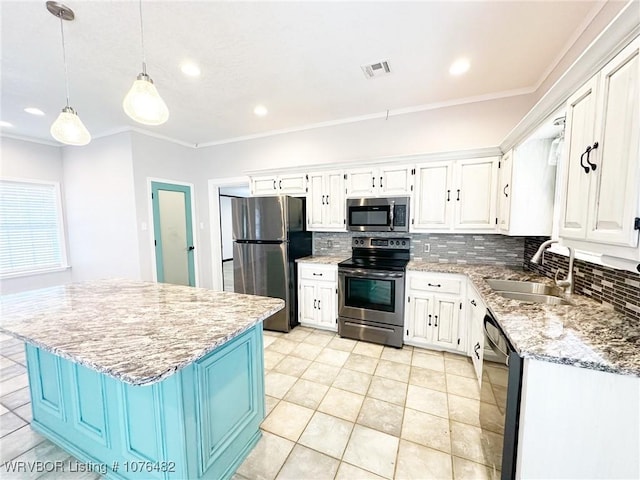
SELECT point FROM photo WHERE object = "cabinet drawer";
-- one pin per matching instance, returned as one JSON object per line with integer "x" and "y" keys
{"x": 439, "y": 284}
{"x": 328, "y": 273}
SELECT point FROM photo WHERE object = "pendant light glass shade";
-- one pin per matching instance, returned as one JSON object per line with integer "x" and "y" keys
{"x": 144, "y": 104}
{"x": 69, "y": 129}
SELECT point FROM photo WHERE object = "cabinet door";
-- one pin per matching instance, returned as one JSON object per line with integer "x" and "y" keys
{"x": 446, "y": 316}
{"x": 327, "y": 305}
{"x": 315, "y": 202}
{"x": 264, "y": 186}
{"x": 575, "y": 185}
{"x": 419, "y": 323}
{"x": 335, "y": 207}
{"x": 474, "y": 194}
{"x": 395, "y": 180}
{"x": 432, "y": 199}
{"x": 294, "y": 184}
{"x": 307, "y": 303}
{"x": 505, "y": 187}
{"x": 362, "y": 183}
{"x": 616, "y": 179}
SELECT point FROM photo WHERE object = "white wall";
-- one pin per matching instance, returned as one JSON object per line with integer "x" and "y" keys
{"x": 158, "y": 159}
{"x": 475, "y": 125}
{"x": 32, "y": 161}
{"x": 101, "y": 215}
{"x": 226, "y": 227}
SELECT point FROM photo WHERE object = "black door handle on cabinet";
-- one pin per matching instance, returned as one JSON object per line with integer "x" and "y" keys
{"x": 274, "y": 184}
{"x": 314, "y": 303}
{"x": 191, "y": 247}
{"x": 448, "y": 195}
{"x": 592, "y": 165}
{"x": 327, "y": 200}
{"x": 322, "y": 199}
{"x": 380, "y": 182}
{"x": 458, "y": 199}
{"x": 434, "y": 285}
{"x": 373, "y": 182}
{"x": 435, "y": 322}
{"x": 318, "y": 304}
{"x": 504, "y": 190}
{"x": 429, "y": 320}
{"x": 280, "y": 184}
{"x": 473, "y": 302}
{"x": 586, "y": 169}
{"x": 475, "y": 350}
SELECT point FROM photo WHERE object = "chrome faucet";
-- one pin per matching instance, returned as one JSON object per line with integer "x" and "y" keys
{"x": 566, "y": 283}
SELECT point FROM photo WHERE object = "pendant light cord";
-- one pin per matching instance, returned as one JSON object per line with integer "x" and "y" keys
{"x": 64, "y": 59}
{"x": 144, "y": 61}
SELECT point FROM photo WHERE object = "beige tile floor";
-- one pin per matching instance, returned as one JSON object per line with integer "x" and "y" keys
{"x": 336, "y": 409}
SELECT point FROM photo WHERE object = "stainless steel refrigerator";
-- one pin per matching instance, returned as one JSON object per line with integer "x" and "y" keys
{"x": 268, "y": 236}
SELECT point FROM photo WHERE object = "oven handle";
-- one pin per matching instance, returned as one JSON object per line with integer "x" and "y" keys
{"x": 489, "y": 319}
{"x": 368, "y": 273}
{"x": 391, "y": 212}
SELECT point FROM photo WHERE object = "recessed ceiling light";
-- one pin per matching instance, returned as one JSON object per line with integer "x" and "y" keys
{"x": 260, "y": 110}
{"x": 5, "y": 124}
{"x": 34, "y": 111}
{"x": 459, "y": 67}
{"x": 190, "y": 69}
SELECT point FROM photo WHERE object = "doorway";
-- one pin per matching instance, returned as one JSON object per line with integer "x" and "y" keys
{"x": 226, "y": 196}
{"x": 173, "y": 233}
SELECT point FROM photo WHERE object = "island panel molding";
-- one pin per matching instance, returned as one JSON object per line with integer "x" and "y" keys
{"x": 199, "y": 423}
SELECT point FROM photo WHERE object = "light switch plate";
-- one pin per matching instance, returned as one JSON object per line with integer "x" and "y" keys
{"x": 427, "y": 247}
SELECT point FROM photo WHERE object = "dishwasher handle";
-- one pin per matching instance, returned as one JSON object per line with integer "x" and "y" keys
{"x": 488, "y": 319}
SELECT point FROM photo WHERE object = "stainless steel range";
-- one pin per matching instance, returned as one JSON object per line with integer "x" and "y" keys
{"x": 371, "y": 290}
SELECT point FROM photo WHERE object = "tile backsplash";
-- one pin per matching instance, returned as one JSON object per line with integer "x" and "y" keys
{"x": 618, "y": 288}
{"x": 443, "y": 248}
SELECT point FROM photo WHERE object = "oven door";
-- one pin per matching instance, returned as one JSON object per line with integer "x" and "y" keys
{"x": 373, "y": 295}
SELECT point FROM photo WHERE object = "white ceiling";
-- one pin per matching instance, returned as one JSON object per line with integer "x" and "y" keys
{"x": 300, "y": 59}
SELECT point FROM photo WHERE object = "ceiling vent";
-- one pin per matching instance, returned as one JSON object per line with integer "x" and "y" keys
{"x": 376, "y": 70}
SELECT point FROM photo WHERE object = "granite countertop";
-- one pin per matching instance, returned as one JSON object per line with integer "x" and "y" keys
{"x": 137, "y": 332}
{"x": 323, "y": 259}
{"x": 587, "y": 335}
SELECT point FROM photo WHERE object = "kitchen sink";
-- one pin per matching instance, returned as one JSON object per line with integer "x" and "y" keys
{"x": 515, "y": 286}
{"x": 535, "y": 298}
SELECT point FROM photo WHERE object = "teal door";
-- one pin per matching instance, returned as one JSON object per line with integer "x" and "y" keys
{"x": 173, "y": 233}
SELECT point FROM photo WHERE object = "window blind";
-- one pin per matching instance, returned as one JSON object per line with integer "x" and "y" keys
{"x": 30, "y": 227}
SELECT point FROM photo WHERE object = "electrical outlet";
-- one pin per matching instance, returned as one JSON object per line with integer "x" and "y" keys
{"x": 329, "y": 243}
{"x": 427, "y": 247}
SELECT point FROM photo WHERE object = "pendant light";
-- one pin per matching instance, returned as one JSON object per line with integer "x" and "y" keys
{"x": 143, "y": 102}
{"x": 68, "y": 128}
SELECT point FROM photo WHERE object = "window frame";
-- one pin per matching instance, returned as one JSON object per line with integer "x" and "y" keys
{"x": 62, "y": 237}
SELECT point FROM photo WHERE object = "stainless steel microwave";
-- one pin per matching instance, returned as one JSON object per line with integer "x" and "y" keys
{"x": 389, "y": 214}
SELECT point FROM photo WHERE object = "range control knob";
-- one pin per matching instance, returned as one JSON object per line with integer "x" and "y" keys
{"x": 404, "y": 242}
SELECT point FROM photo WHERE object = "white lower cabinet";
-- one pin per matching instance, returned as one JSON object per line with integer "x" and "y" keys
{"x": 318, "y": 296}
{"x": 433, "y": 311}
{"x": 475, "y": 321}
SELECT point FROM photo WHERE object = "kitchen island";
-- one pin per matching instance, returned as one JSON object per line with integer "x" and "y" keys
{"x": 146, "y": 380}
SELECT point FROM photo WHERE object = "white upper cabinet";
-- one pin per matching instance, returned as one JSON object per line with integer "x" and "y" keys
{"x": 457, "y": 196}
{"x": 325, "y": 201}
{"x": 288, "y": 184}
{"x": 601, "y": 175}
{"x": 526, "y": 189}
{"x": 475, "y": 194}
{"x": 387, "y": 181}
{"x": 579, "y": 136}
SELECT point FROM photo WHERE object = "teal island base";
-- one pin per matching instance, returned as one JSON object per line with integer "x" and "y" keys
{"x": 199, "y": 423}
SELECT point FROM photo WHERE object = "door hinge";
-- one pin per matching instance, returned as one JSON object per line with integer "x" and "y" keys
{"x": 412, "y": 188}
{"x": 306, "y": 189}
{"x": 345, "y": 176}
{"x": 407, "y": 333}
{"x": 408, "y": 299}
{"x": 458, "y": 341}
{"x": 412, "y": 221}
{"x": 344, "y": 222}
{"x": 496, "y": 220}
{"x": 636, "y": 223}
{"x": 460, "y": 305}
{"x": 336, "y": 290}
{"x": 499, "y": 164}
{"x": 152, "y": 196}
{"x": 306, "y": 177}
{"x": 155, "y": 244}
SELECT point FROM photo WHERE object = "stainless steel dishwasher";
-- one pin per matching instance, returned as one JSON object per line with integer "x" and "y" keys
{"x": 502, "y": 390}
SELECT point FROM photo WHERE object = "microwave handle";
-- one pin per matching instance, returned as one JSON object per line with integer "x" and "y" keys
{"x": 392, "y": 214}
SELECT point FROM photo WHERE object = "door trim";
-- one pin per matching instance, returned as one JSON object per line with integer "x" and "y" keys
{"x": 215, "y": 231}
{"x": 151, "y": 230}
